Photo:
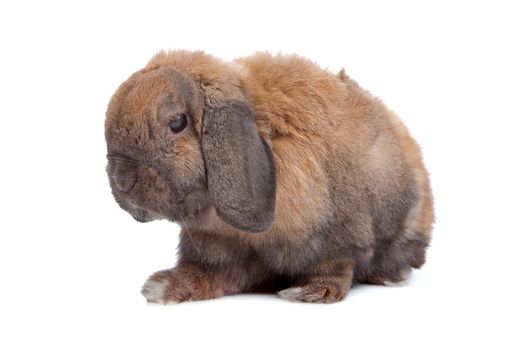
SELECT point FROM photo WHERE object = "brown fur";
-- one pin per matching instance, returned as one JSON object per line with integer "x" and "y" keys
{"x": 352, "y": 198}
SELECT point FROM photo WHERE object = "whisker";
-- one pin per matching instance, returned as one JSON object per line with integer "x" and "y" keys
{"x": 123, "y": 172}
{"x": 191, "y": 238}
{"x": 122, "y": 160}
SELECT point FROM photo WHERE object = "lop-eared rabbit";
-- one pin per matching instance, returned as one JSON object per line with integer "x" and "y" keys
{"x": 282, "y": 176}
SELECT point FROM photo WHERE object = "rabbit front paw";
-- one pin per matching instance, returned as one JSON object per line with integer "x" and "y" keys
{"x": 178, "y": 285}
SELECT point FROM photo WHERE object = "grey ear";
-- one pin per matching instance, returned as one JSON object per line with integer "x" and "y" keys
{"x": 239, "y": 167}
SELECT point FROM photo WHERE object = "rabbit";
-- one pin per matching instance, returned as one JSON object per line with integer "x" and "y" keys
{"x": 283, "y": 176}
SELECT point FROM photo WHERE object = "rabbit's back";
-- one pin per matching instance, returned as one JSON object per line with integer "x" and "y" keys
{"x": 349, "y": 174}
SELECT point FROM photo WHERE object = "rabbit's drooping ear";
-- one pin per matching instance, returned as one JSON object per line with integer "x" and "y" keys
{"x": 239, "y": 167}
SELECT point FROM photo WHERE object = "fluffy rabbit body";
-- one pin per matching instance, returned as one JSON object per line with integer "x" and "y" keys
{"x": 283, "y": 177}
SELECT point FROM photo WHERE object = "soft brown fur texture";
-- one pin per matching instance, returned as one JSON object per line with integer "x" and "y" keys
{"x": 335, "y": 182}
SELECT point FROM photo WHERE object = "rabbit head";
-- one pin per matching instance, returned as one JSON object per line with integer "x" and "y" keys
{"x": 180, "y": 144}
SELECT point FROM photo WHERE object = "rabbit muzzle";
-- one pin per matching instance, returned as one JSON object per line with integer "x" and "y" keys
{"x": 123, "y": 171}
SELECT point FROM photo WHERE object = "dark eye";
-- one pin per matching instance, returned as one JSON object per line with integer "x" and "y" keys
{"x": 179, "y": 123}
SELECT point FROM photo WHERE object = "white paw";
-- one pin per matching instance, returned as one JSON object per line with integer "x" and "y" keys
{"x": 405, "y": 275}
{"x": 154, "y": 291}
{"x": 292, "y": 294}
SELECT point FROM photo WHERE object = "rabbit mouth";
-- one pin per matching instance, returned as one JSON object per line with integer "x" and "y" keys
{"x": 142, "y": 215}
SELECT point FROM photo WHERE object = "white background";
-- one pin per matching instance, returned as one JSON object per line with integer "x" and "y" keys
{"x": 72, "y": 263}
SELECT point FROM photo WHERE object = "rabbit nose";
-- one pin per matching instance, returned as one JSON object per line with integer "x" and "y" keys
{"x": 123, "y": 171}
{"x": 124, "y": 184}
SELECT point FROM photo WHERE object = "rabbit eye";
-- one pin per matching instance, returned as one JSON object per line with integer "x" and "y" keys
{"x": 179, "y": 123}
